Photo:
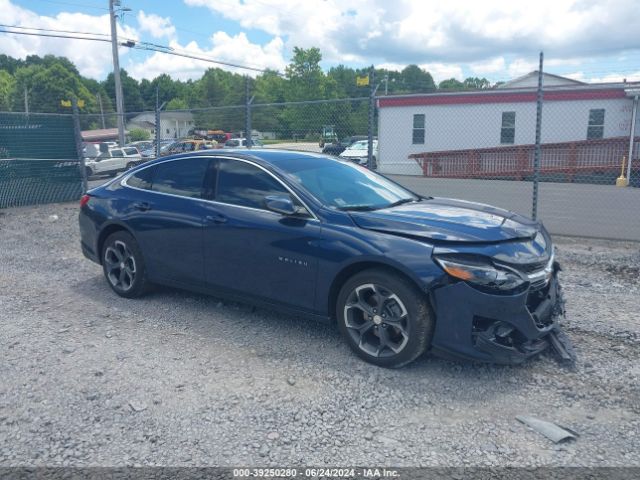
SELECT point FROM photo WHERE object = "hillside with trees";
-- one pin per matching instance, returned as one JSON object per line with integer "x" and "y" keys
{"x": 42, "y": 82}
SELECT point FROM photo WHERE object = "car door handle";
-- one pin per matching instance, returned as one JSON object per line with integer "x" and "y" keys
{"x": 217, "y": 218}
{"x": 142, "y": 206}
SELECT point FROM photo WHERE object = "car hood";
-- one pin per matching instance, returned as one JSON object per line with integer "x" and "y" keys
{"x": 449, "y": 220}
{"x": 354, "y": 153}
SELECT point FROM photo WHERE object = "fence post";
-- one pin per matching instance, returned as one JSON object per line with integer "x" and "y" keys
{"x": 158, "y": 125}
{"x": 536, "y": 153}
{"x": 372, "y": 106}
{"x": 247, "y": 113}
{"x": 77, "y": 135}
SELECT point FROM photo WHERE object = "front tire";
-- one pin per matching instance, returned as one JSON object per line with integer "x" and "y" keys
{"x": 123, "y": 265}
{"x": 385, "y": 319}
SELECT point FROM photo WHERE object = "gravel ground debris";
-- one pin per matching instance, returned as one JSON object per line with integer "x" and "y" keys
{"x": 180, "y": 379}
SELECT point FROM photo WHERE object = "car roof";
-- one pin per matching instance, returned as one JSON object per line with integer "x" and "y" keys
{"x": 262, "y": 155}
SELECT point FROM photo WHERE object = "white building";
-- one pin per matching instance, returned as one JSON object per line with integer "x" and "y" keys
{"x": 474, "y": 133}
{"x": 173, "y": 124}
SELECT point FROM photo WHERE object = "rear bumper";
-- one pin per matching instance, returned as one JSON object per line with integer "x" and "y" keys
{"x": 506, "y": 329}
{"x": 88, "y": 236}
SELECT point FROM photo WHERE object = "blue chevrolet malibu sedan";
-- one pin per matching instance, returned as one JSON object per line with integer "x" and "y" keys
{"x": 398, "y": 272}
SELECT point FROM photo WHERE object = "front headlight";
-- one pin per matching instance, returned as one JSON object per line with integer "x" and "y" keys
{"x": 480, "y": 272}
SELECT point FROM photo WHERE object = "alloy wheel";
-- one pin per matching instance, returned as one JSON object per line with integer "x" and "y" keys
{"x": 377, "y": 320}
{"x": 120, "y": 266}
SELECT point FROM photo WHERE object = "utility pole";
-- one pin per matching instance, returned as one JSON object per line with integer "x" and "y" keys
{"x": 386, "y": 83}
{"x": 101, "y": 110}
{"x": 26, "y": 101}
{"x": 116, "y": 70}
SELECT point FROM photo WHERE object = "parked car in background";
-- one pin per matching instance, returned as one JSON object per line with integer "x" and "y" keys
{"x": 151, "y": 152}
{"x": 90, "y": 150}
{"x": 359, "y": 153}
{"x": 219, "y": 136}
{"x": 400, "y": 273}
{"x": 141, "y": 145}
{"x": 183, "y": 146}
{"x": 242, "y": 142}
{"x": 113, "y": 161}
{"x": 336, "y": 148}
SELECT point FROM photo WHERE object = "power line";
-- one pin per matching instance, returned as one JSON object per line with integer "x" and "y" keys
{"x": 132, "y": 44}
{"x": 52, "y": 35}
{"x": 54, "y": 30}
{"x": 83, "y": 5}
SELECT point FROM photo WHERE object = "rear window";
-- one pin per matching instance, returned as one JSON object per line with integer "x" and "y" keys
{"x": 131, "y": 151}
{"x": 117, "y": 153}
{"x": 182, "y": 177}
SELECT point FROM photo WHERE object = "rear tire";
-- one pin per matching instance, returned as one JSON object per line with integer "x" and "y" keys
{"x": 384, "y": 318}
{"x": 123, "y": 265}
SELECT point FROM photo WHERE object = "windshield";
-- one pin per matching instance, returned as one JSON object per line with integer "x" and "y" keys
{"x": 345, "y": 185}
{"x": 361, "y": 145}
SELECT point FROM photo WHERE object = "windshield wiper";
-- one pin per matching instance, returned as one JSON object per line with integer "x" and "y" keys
{"x": 402, "y": 201}
{"x": 357, "y": 208}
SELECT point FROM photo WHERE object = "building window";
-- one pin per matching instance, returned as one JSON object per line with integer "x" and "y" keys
{"x": 418, "y": 128}
{"x": 508, "y": 130}
{"x": 596, "y": 124}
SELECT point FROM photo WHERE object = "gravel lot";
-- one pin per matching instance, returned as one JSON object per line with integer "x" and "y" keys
{"x": 175, "y": 378}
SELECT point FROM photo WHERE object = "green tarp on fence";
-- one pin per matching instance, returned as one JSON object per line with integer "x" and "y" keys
{"x": 38, "y": 159}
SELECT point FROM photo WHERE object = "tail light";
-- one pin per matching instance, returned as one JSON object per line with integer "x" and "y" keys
{"x": 84, "y": 200}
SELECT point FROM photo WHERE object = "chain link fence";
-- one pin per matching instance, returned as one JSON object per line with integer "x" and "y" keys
{"x": 477, "y": 145}
{"x": 39, "y": 161}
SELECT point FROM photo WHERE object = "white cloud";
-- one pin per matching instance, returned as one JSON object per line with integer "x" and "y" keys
{"x": 521, "y": 66}
{"x": 156, "y": 25}
{"x": 492, "y": 65}
{"x": 235, "y": 49}
{"x": 610, "y": 77}
{"x": 93, "y": 59}
{"x": 418, "y": 31}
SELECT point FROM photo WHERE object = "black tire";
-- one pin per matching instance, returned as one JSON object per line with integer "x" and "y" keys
{"x": 130, "y": 165}
{"x": 123, "y": 265}
{"x": 405, "y": 339}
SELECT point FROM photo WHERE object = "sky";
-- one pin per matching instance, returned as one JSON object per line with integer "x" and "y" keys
{"x": 589, "y": 40}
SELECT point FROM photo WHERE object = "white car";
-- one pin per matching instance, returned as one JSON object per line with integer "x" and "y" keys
{"x": 242, "y": 142}
{"x": 113, "y": 161}
{"x": 359, "y": 153}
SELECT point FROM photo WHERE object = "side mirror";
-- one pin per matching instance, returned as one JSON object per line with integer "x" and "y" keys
{"x": 281, "y": 204}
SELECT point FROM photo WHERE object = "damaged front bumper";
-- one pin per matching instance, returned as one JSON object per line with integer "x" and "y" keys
{"x": 507, "y": 329}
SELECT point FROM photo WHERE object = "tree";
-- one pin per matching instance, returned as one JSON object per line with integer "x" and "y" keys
{"x": 414, "y": 79}
{"x": 177, "y": 104}
{"x": 7, "y": 90}
{"x": 476, "y": 83}
{"x": 451, "y": 84}
{"x": 130, "y": 91}
{"x": 307, "y": 81}
{"x": 139, "y": 134}
{"x": 48, "y": 86}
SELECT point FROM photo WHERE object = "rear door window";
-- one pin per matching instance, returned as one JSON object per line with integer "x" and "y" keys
{"x": 141, "y": 179}
{"x": 131, "y": 151}
{"x": 184, "y": 177}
